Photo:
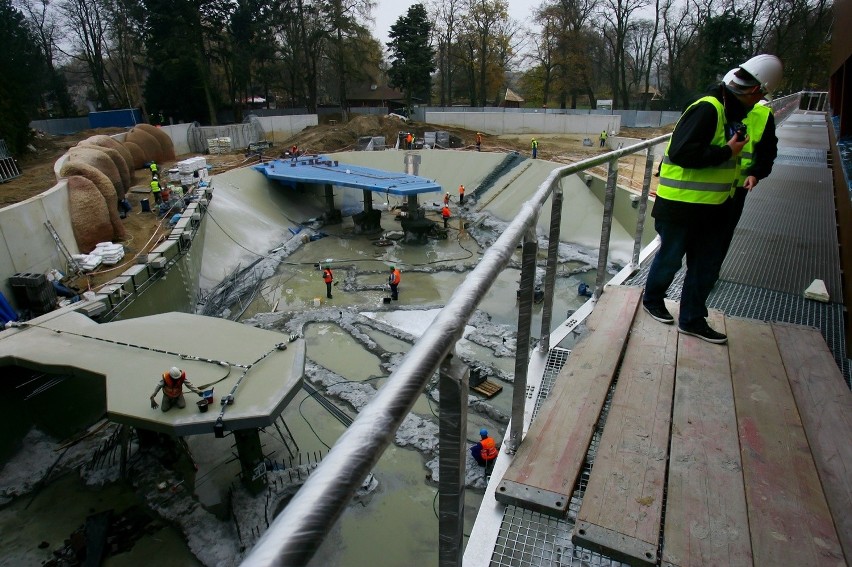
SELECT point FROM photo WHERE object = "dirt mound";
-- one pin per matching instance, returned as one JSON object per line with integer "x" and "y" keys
{"x": 327, "y": 138}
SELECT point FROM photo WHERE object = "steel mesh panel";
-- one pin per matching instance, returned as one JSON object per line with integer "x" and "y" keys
{"x": 555, "y": 361}
{"x": 786, "y": 237}
{"x": 802, "y": 157}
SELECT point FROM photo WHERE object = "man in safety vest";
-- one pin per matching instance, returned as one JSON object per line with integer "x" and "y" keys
{"x": 761, "y": 149}
{"x": 692, "y": 209}
{"x": 155, "y": 189}
{"x": 445, "y": 214}
{"x": 479, "y": 141}
{"x": 461, "y": 195}
{"x": 603, "y": 138}
{"x": 153, "y": 167}
{"x": 534, "y": 147}
{"x": 327, "y": 277}
{"x": 393, "y": 280}
{"x": 485, "y": 451}
{"x": 172, "y": 386}
{"x": 446, "y": 199}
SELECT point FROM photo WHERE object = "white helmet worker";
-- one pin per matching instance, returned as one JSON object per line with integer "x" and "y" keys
{"x": 174, "y": 372}
{"x": 767, "y": 69}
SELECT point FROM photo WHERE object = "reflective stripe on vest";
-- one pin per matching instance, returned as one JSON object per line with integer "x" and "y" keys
{"x": 755, "y": 122}
{"x": 707, "y": 185}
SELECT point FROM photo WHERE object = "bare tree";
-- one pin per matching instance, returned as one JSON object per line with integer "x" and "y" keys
{"x": 617, "y": 15}
{"x": 445, "y": 17}
{"x": 483, "y": 20}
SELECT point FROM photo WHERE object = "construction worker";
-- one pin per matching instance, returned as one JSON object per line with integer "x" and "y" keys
{"x": 479, "y": 141}
{"x": 409, "y": 140}
{"x": 445, "y": 214}
{"x": 534, "y": 147}
{"x": 327, "y": 277}
{"x": 155, "y": 189}
{"x": 172, "y": 386}
{"x": 461, "y": 195}
{"x": 446, "y": 199}
{"x": 603, "y": 138}
{"x": 153, "y": 167}
{"x": 485, "y": 451}
{"x": 393, "y": 280}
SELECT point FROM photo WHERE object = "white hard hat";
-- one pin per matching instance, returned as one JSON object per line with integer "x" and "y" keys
{"x": 174, "y": 372}
{"x": 767, "y": 69}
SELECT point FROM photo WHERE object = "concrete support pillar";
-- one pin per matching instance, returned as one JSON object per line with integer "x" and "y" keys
{"x": 252, "y": 464}
{"x": 368, "y": 201}
{"x": 606, "y": 227}
{"x": 453, "y": 389}
{"x": 550, "y": 274}
{"x": 522, "y": 347}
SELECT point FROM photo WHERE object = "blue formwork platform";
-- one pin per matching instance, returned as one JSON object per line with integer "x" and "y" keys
{"x": 322, "y": 170}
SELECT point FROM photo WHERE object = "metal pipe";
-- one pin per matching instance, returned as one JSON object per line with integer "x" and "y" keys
{"x": 550, "y": 274}
{"x": 297, "y": 532}
{"x": 606, "y": 227}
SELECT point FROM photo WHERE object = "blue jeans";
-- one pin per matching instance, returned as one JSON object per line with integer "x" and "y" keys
{"x": 704, "y": 247}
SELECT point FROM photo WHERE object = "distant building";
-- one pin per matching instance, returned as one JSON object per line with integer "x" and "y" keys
{"x": 512, "y": 100}
{"x": 376, "y": 96}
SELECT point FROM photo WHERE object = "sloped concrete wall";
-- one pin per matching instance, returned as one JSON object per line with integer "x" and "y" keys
{"x": 497, "y": 123}
{"x": 25, "y": 243}
{"x": 280, "y": 128}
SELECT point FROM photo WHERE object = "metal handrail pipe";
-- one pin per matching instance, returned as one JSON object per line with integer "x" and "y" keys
{"x": 295, "y": 535}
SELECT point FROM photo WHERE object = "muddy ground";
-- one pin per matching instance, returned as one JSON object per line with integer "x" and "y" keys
{"x": 145, "y": 230}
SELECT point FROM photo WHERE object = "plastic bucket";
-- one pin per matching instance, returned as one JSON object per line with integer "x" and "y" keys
{"x": 202, "y": 405}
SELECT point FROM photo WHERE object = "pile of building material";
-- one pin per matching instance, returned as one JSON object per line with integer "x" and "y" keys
{"x": 220, "y": 145}
{"x": 189, "y": 171}
{"x": 110, "y": 253}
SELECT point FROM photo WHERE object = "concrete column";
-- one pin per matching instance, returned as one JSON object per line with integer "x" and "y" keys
{"x": 522, "y": 347}
{"x": 453, "y": 389}
{"x": 606, "y": 227}
{"x": 550, "y": 274}
{"x": 252, "y": 464}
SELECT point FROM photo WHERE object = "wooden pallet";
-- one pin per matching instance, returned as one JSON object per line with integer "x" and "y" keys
{"x": 488, "y": 389}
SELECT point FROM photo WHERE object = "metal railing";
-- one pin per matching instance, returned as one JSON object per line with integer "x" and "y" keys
{"x": 295, "y": 535}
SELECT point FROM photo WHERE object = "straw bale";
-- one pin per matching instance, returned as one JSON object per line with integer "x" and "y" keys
{"x": 106, "y": 189}
{"x": 120, "y": 165}
{"x": 98, "y": 158}
{"x": 137, "y": 154}
{"x": 148, "y": 143}
{"x": 165, "y": 140}
{"x": 110, "y": 142}
{"x": 90, "y": 219}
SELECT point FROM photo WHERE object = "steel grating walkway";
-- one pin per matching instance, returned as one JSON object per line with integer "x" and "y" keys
{"x": 786, "y": 238}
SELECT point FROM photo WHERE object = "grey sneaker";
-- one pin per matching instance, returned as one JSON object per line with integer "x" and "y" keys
{"x": 703, "y": 331}
{"x": 660, "y": 313}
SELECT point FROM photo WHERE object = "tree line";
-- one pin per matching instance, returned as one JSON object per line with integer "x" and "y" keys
{"x": 190, "y": 59}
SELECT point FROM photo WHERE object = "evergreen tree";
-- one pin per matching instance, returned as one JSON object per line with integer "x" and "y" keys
{"x": 412, "y": 57}
{"x": 23, "y": 65}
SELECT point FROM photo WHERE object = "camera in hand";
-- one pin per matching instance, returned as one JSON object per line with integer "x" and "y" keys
{"x": 739, "y": 129}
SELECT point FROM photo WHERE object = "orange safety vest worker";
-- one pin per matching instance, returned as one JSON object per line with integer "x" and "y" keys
{"x": 445, "y": 212}
{"x": 395, "y": 277}
{"x": 489, "y": 449}
{"x": 173, "y": 386}
{"x": 326, "y": 275}
{"x": 461, "y": 194}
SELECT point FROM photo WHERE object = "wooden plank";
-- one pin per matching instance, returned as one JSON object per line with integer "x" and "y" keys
{"x": 545, "y": 468}
{"x": 488, "y": 389}
{"x": 790, "y": 520}
{"x": 825, "y": 406}
{"x": 622, "y": 507}
{"x": 706, "y": 519}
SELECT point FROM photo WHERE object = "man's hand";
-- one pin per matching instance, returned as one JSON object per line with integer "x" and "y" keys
{"x": 154, "y": 404}
{"x": 736, "y": 145}
{"x": 750, "y": 182}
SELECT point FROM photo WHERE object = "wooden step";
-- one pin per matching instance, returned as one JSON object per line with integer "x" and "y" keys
{"x": 545, "y": 468}
{"x": 706, "y": 519}
{"x": 782, "y": 486}
{"x": 622, "y": 508}
{"x": 825, "y": 406}
{"x": 487, "y": 389}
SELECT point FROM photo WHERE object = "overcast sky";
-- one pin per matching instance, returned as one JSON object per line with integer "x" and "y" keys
{"x": 387, "y": 12}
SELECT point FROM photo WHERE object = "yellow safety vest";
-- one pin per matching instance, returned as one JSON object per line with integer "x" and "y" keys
{"x": 706, "y": 185}
{"x": 755, "y": 122}
{"x": 155, "y": 186}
